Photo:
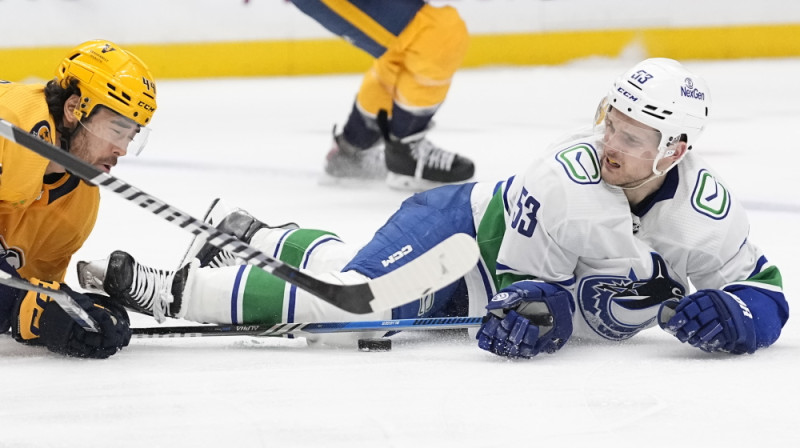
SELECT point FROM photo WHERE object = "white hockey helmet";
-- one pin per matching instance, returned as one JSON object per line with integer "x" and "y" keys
{"x": 663, "y": 94}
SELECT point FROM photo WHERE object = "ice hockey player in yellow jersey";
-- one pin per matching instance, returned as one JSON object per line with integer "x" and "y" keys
{"x": 97, "y": 107}
{"x": 417, "y": 49}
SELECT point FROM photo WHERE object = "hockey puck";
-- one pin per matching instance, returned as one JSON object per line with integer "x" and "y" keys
{"x": 375, "y": 344}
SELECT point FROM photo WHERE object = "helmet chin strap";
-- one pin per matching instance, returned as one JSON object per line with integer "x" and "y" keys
{"x": 65, "y": 134}
{"x": 656, "y": 172}
{"x": 65, "y": 137}
{"x": 646, "y": 181}
{"x": 665, "y": 151}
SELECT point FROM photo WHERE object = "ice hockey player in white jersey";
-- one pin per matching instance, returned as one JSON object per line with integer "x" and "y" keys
{"x": 605, "y": 234}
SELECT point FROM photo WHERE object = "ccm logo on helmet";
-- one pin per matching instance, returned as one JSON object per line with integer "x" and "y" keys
{"x": 146, "y": 106}
{"x": 627, "y": 94}
{"x": 688, "y": 90}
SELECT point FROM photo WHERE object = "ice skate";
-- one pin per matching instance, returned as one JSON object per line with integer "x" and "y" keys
{"x": 414, "y": 163}
{"x": 347, "y": 161}
{"x": 156, "y": 292}
{"x": 236, "y": 222}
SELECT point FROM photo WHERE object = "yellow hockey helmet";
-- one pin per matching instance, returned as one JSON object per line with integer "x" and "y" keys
{"x": 112, "y": 77}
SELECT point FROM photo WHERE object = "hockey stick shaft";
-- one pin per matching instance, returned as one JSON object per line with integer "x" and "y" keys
{"x": 407, "y": 283}
{"x": 63, "y": 299}
{"x": 437, "y": 323}
{"x": 311, "y": 327}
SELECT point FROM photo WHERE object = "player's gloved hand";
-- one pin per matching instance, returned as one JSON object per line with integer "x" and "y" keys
{"x": 510, "y": 328}
{"x": 711, "y": 320}
{"x": 41, "y": 321}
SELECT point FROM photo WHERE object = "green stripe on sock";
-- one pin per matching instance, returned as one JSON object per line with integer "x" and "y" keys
{"x": 263, "y": 298}
{"x": 295, "y": 246}
{"x": 263, "y": 292}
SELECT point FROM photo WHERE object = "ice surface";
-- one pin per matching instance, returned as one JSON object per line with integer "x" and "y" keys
{"x": 260, "y": 143}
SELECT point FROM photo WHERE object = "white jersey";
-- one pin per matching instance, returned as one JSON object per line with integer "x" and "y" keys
{"x": 557, "y": 222}
{"x": 564, "y": 225}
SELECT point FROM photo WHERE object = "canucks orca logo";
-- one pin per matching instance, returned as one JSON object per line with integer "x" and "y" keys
{"x": 619, "y": 307}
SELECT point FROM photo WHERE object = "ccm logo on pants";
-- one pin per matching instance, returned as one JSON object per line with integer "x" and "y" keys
{"x": 397, "y": 255}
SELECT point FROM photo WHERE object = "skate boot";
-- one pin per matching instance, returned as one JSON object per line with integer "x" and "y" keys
{"x": 347, "y": 161}
{"x": 414, "y": 163}
{"x": 141, "y": 288}
{"x": 235, "y": 222}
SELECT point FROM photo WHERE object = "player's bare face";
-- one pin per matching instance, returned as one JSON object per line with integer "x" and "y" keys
{"x": 103, "y": 138}
{"x": 629, "y": 148}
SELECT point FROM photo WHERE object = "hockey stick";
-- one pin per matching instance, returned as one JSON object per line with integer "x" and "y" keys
{"x": 308, "y": 327}
{"x": 432, "y": 323}
{"x": 67, "y": 303}
{"x": 432, "y": 270}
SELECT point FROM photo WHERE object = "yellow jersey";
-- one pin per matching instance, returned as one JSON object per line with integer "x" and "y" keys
{"x": 43, "y": 219}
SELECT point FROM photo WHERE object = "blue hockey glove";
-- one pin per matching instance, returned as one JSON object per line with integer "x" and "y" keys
{"x": 711, "y": 320}
{"x": 509, "y": 328}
